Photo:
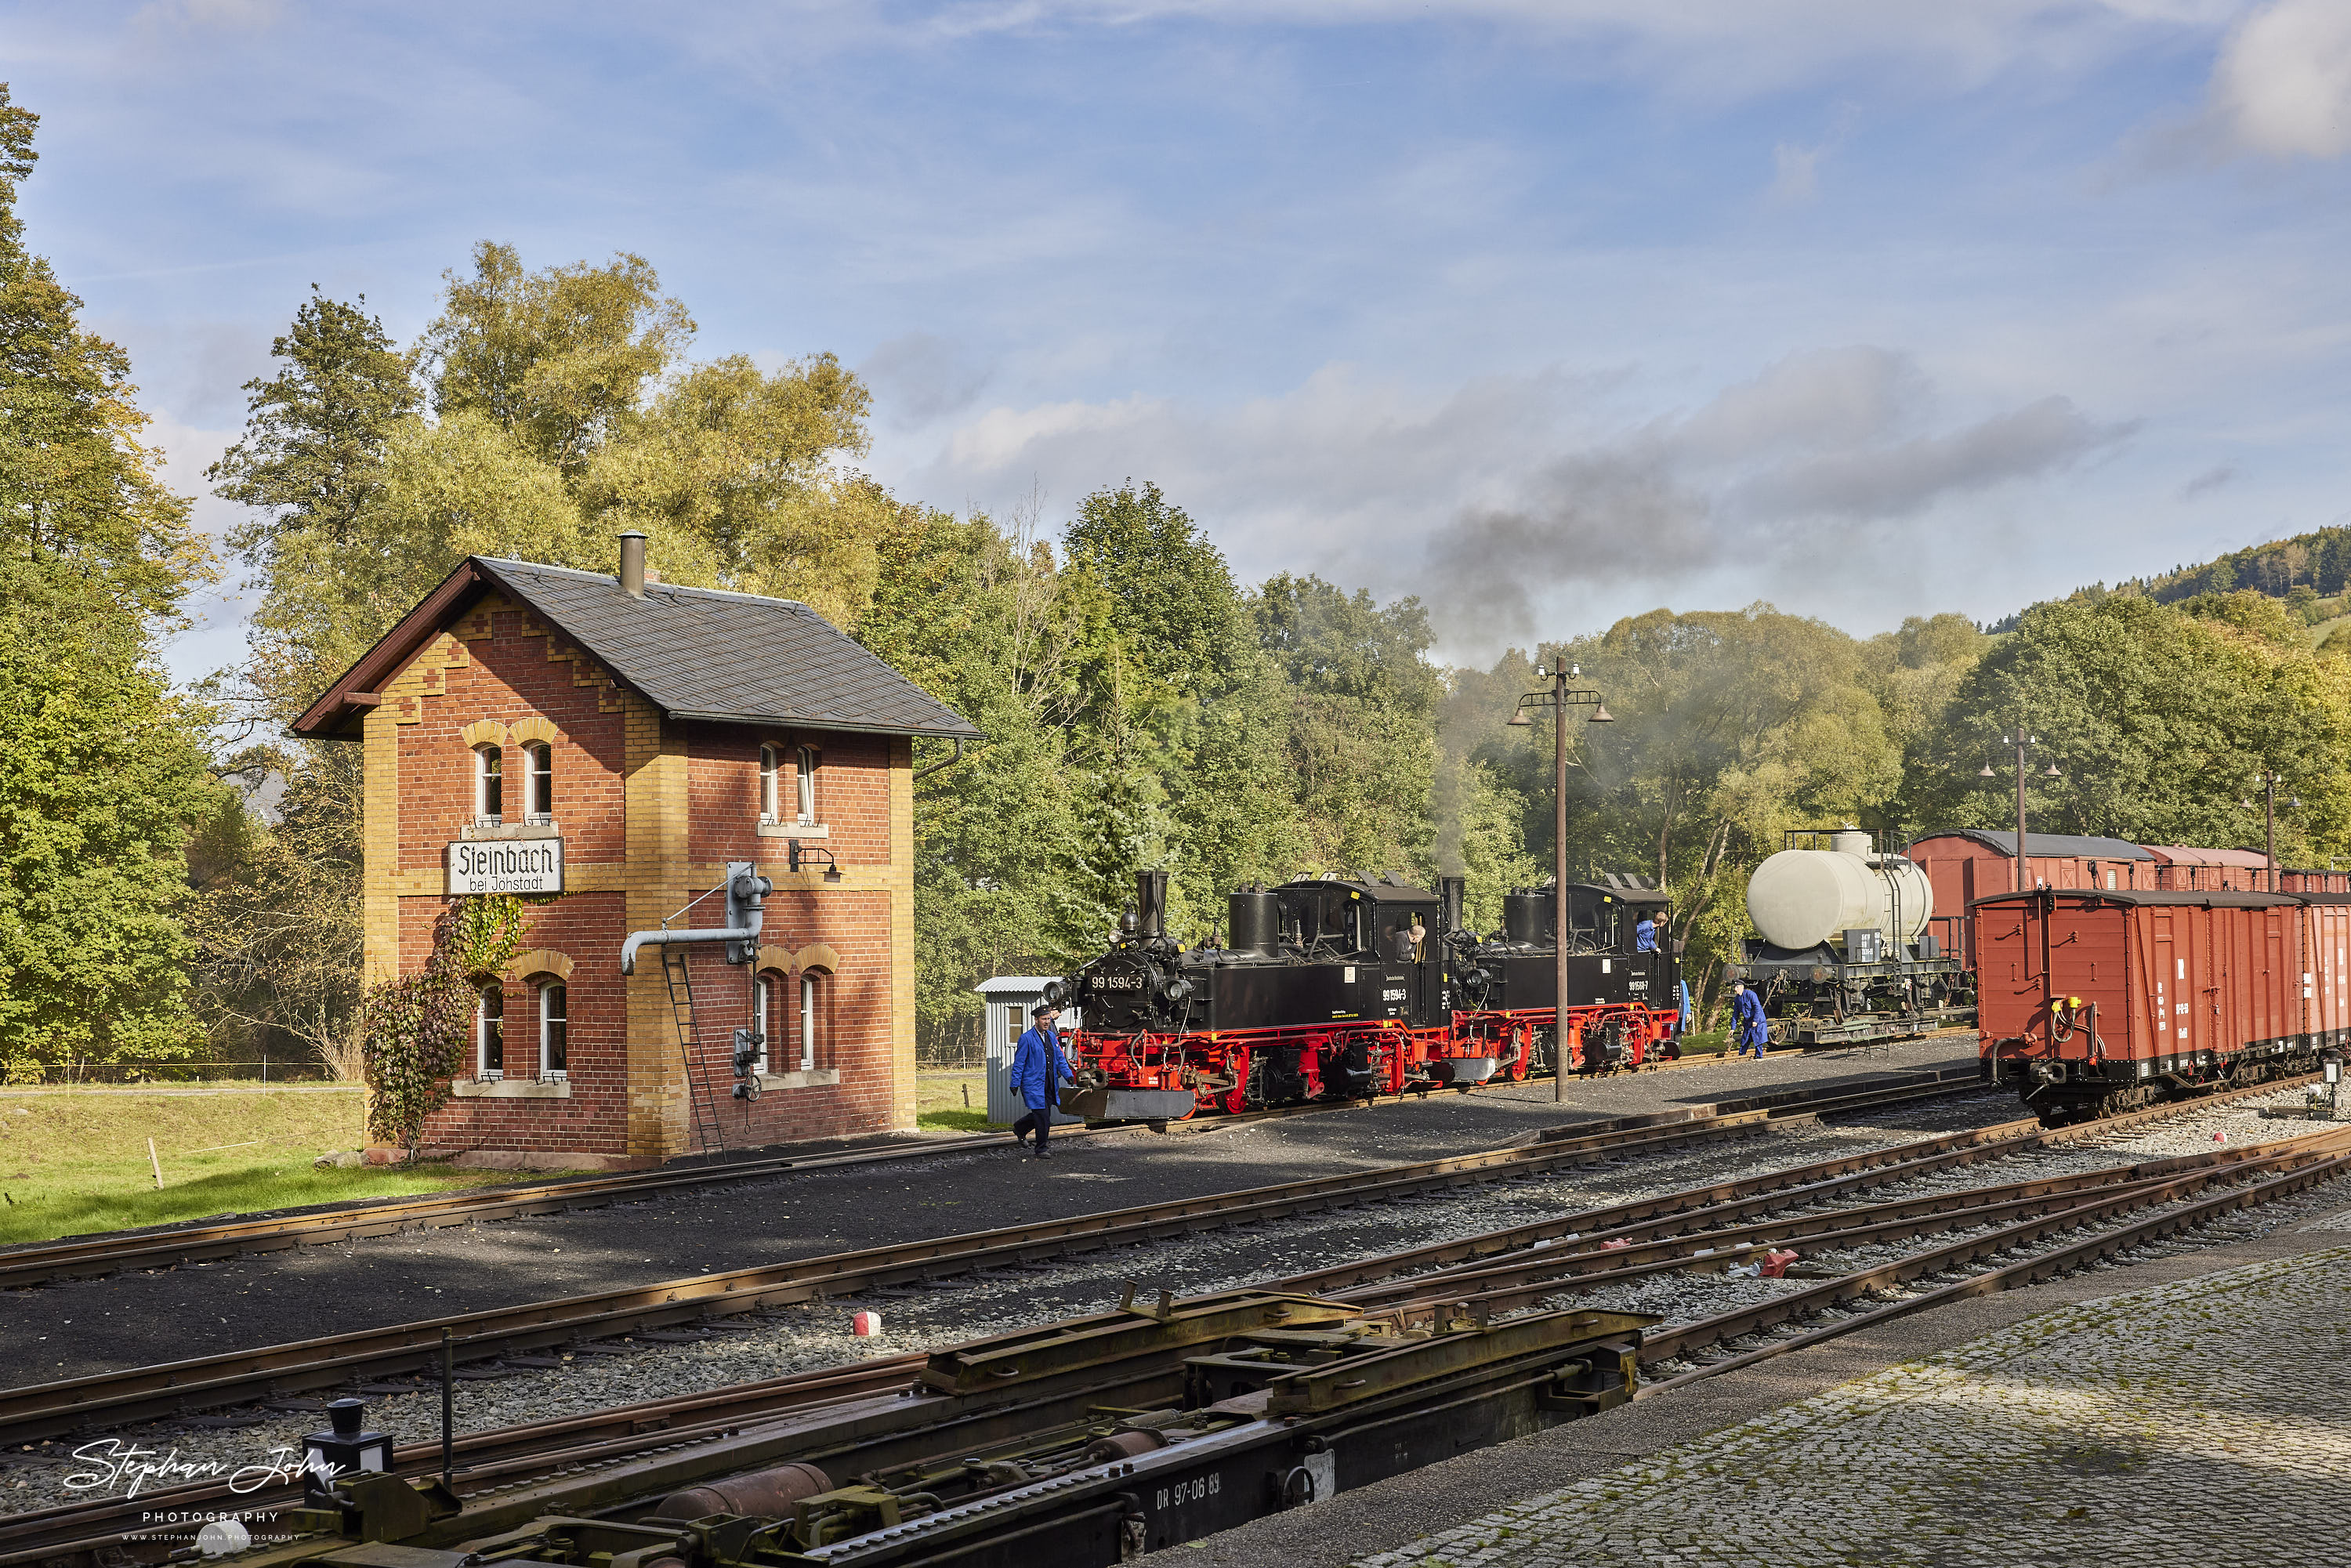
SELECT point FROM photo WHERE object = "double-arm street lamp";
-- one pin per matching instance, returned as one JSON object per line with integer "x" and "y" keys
{"x": 2022, "y": 741}
{"x": 1558, "y": 699}
{"x": 2269, "y": 783}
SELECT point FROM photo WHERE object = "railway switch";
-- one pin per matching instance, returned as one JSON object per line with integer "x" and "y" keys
{"x": 342, "y": 1450}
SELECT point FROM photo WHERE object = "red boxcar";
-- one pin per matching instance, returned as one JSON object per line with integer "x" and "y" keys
{"x": 2181, "y": 868}
{"x": 1964, "y": 864}
{"x": 2092, "y": 1001}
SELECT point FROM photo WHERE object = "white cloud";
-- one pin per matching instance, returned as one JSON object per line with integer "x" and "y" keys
{"x": 2282, "y": 85}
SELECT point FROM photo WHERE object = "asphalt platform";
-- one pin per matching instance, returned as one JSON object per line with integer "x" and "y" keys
{"x": 78, "y": 1328}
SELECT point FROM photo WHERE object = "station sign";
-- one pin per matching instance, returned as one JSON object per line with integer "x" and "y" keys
{"x": 507, "y": 865}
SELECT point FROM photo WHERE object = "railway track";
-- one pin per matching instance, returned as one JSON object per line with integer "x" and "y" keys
{"x": 114, "y": 1252}
{"x": 1704, "y": 1228}
{"x": 116, "y": 1399}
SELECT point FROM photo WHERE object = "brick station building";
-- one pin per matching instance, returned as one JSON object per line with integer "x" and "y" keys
{"x": 611, "y": 745}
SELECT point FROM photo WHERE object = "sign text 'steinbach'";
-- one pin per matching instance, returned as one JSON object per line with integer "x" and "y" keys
{"x": 514, "y": 865}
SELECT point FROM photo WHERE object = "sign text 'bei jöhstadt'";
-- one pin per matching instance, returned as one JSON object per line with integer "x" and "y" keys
{"x": 514, "y": 865}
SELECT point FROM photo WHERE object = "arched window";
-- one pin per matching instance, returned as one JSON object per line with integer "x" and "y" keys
{"x": 489, "y": 784}
{"x": 767, "y": 1015}
{"x": 806, "y": 779}
{"x": 816, "y": 1006}
{"x": 768, "y": 804}
{"x": 554, "y": 1008}
{"x": 539, "y": 784}
{"x": 490, "y": 1033}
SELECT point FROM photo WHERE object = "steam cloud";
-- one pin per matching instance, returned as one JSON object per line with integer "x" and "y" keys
{"x": 1779, "y": 474}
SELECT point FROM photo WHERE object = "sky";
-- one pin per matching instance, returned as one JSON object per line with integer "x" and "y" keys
{"x": 1546, "y": 311}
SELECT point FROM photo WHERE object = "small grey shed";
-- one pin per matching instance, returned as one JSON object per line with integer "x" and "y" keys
{"x": 1010, "y": 997}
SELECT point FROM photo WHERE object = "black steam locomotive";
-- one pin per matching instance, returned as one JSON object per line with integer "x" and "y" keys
{"x": 1331, "y": 988}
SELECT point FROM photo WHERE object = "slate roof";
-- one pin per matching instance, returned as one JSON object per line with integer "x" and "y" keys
{"x": 694, "y": 652}
{"x": 2048, "y": 846}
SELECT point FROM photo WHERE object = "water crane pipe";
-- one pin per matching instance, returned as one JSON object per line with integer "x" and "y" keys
{"x": 746, "y": 894}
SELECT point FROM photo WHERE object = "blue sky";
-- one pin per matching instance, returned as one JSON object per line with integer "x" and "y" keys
{"x": 1547, "y": 312}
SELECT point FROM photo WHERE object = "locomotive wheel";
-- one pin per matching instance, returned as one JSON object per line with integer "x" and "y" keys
{"x": 1234, "y": 1101}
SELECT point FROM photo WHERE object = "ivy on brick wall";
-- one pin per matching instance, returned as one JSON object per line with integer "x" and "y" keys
{"x": 413, "y": 1029}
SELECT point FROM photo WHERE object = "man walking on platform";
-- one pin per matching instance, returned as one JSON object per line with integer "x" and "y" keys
{"x": 1038, "y": 1070}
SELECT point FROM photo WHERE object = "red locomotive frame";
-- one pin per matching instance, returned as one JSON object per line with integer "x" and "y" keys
{"x": 1215, "y": 1064}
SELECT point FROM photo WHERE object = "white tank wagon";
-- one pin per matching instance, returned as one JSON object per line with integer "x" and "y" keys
{"x": 1844, "y": 954}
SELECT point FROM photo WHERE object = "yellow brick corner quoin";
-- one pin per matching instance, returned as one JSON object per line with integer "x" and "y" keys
{"x": 654, "y": 810}
{"x": 902, "y": 930}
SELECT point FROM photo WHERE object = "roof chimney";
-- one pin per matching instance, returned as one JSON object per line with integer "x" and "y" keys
{"x": 632, "y": 564}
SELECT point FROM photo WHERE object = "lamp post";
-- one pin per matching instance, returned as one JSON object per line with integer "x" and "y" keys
{"x": 1558, "y": 699}
{"x": 2021, "y": 741}
{"x": 2269, "y": 781}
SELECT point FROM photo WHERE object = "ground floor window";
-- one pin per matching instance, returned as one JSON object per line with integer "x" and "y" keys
{"x": 489, "y": 1034}
{"x": 554, "y": 1026}
{"x": 816, "y": 998}
{"x": 766, "y": 1014}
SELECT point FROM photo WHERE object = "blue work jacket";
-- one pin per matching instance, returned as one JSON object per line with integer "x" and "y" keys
{"x": 1746, "y": 1017}
{"x": 1039, "y": 1067}
{"x": 1645, "y": 937}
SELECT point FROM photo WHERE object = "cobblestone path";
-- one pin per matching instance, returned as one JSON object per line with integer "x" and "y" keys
{"x": 2203, "y": 1423}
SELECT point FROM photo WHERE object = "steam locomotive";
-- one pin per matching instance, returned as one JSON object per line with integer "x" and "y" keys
{"x": 1337, "y": 987}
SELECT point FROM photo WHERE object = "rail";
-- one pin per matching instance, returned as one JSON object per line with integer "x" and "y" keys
{"x": 54, "y": 1409}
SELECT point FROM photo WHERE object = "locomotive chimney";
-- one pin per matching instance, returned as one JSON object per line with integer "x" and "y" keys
{"x": 1150, "y": 903}
{"x": 632, "y": 564}
{"x": 1449, "y": 890}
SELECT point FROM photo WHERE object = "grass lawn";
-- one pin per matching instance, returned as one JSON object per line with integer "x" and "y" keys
{"x": 952, "y": 1102}
{"x": 76, "y": 1161}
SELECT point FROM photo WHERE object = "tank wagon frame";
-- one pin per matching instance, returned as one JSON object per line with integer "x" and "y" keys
{"x": 2094, "y": 1000}
{"x": 1849, "y": 952}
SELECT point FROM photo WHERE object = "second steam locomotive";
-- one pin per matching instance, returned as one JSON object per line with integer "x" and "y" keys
{"x": 1332, "y": 988}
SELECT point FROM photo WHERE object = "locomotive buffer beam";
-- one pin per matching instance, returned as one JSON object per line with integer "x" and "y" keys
{"x": 1108, "y": 1103}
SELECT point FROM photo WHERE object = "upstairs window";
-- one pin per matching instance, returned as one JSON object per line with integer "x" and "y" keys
{"x": 489, "y": 785}
{"x": 554, "y": 1042}
{"x": 539, "y": 784}
{"x": 769, "y": 805}
{"x": 490, "y": 1033}
{"x": 805, "y": 779}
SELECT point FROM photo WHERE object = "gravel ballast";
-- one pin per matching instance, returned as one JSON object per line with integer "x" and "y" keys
{"x": 818, "y": 1336}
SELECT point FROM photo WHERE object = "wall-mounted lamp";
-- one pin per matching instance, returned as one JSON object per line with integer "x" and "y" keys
{"x": 794, "y": 854}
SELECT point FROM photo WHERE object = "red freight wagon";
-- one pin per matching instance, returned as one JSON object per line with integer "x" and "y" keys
{"x": 2093, "y": 1001}
{"x": 1964, "y": 864}
{"x": 2179, "y": 868}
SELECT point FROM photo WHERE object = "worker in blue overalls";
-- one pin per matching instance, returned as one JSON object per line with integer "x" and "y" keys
{"x": 1748, "y": 1028}
{"x": 1038, "y": 1070}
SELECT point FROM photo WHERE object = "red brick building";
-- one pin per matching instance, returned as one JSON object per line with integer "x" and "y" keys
{"x": 607, "y": 747}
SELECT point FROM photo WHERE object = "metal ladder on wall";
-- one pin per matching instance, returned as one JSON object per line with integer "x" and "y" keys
{"x": 680, "y": 978}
